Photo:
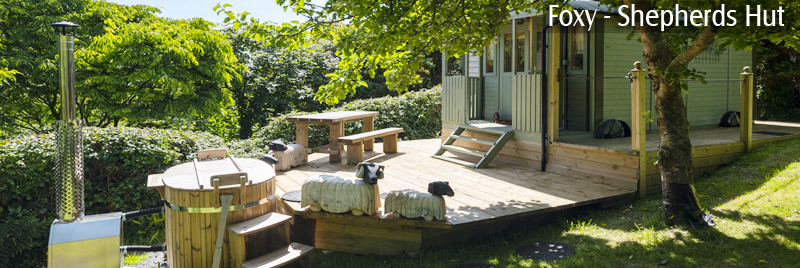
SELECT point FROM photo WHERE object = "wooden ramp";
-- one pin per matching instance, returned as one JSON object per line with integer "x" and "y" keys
{"x": 482, "y": 196}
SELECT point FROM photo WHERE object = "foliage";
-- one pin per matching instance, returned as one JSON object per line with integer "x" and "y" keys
{"x": 392, "y": 35}
{"x": 23, "y": 241}
{"x": 131, "y": 66}
{"x": 754, "y": 200}
{"x": 778, "y": 82}
{"x": 135, "y": 258}
{"x": 116, "y": 164}
{"x": 277, "y": 80}
{"x": 418, "y": 113}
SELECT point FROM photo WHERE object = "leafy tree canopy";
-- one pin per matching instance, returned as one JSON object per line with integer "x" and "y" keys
{"x": 131, "y": 66}
{"x": 277, "y": 80}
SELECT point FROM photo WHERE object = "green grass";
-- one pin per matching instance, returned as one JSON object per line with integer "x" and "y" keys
{"x": 135, "y": 258}
{"x": 755, "y": 202}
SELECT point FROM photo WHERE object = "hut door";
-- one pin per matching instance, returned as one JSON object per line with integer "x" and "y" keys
{"x": 507, "y": 65}
{"x": 575, "y": 89}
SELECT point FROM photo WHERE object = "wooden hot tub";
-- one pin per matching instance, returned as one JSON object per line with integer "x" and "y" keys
{"x": 192, "y": 213}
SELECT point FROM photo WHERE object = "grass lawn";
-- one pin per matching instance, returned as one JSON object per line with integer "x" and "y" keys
{"x": 755, "y": 202}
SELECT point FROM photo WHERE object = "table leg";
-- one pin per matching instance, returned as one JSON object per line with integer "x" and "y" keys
{"x": 336, "y": 131}
{"x": 302, "y": 134}
{"x": 369, "y": 125}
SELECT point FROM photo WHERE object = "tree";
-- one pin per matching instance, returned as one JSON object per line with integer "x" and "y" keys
{"x": 395, "y": 35}
{"x": 277, "y": 81}
{"x": 778, "y": 82}
{"x": 131, "y": 66}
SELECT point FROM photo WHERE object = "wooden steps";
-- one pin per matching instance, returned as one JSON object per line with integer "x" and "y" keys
{"x": 280, "y": 257}
{"x": 266, "y": 221}
{"x": 504, "y": 133}
{"x": 275, "y": 225}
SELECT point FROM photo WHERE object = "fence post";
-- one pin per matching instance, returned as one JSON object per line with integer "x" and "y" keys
{"x": 638, "y": 140}
{"x": 746, "y": 117}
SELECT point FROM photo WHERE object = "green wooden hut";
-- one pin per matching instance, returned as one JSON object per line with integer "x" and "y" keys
{"x": 584, "y": 74}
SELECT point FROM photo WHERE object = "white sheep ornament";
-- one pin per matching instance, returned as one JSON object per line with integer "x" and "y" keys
{"x": 288, "y": 156}
{"x": 413, "y": 204}
{"x": 339, "y": 195}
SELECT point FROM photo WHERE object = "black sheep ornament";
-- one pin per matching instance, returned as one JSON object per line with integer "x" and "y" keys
{"x": 440, "y": 188}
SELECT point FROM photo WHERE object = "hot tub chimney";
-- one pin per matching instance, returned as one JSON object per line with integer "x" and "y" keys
{"x": 69, "y": 140}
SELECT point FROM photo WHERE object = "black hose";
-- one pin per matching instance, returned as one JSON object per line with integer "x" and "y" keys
{"x": 143, "y": 248}
{"x": 143, "y": 212}
{"x": 545, "y": 101}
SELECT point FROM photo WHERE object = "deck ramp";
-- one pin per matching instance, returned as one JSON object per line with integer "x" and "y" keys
{"x": 503, "y": 133}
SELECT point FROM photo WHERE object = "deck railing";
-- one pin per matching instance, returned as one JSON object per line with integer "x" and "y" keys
{"x": 526, "y": 102}
{"x": 462, "y": 99}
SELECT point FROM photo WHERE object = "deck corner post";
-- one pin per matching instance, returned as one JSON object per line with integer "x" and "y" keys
{"x": 746, "y": 117}
{"x": 638, "y": 130}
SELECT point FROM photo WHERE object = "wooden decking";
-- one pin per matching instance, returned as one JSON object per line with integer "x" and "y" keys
{"x": 501, "y": 191}
{"x": 705, "y": 136}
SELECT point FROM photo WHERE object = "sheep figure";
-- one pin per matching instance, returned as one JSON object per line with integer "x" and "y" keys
{"x": 339, "y": 195}
{"x": 412, "y": 204}
{"x": 288, "y": 155}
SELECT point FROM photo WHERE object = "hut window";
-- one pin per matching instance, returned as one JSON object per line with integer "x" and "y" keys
{"x": 507, "y": 52}
{"x": 490, "y": 49}
{"x": 520, "y": 51}
{"x": 576, "y": 56}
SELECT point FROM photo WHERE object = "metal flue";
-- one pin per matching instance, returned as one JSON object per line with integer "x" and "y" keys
{"x": 69, "y": 138}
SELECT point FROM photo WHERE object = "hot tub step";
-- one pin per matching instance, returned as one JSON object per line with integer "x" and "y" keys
{"x": 253, "y": 225}
{"x": 280, "y": 257}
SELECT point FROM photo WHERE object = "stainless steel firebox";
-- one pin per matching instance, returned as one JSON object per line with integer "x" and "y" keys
{"x": 76, "y": 240}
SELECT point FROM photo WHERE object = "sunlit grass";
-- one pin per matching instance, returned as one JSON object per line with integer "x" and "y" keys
{"x": 755, "y": 202}
{"x": 135, "y": 258}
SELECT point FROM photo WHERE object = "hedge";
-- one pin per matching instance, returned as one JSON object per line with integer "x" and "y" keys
{"x": 417, "y": 112}
{"x": 116, "y": 164}
{"x": 118, "y": 160}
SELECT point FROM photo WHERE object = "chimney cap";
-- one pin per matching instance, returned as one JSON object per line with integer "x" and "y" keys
{"x": 64, "y": 25}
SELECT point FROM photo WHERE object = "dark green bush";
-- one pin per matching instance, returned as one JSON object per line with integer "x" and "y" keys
{"x": 418, "y": 113}
{"x": 117, "y": 162}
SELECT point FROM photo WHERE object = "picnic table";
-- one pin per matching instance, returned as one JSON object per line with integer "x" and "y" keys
{"x": 336, "y": 122}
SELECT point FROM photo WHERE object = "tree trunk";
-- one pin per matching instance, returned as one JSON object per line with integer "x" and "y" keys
{"x": 674, "y": 160}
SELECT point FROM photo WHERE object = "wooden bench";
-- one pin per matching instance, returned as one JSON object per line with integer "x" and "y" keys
{"x": 355, "y": 143}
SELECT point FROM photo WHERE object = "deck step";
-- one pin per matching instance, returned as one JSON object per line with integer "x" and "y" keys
{"x": 491, "y": 128}
{"x": 471, "y": 139}
{"x": 464, "y": 150}
{"x": 279, "y": 257}
{"x": 455, "y": 160}
{"x": 504, "y": 132}
{"x": 253, "y": 225}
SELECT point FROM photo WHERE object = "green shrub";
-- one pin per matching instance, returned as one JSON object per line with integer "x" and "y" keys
{"x": 418, "y": 113}
{"x": 116, "y": 164}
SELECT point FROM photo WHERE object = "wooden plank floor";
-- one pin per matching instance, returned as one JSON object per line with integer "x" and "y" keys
{"x": 500, "y": 191}
{"x": 700, "y": 137}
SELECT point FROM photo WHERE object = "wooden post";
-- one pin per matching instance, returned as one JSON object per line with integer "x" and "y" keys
{"x": 335, "y": 133}
{"x": 369, "y": 125}
{"x": 746, "y": 117}
{"x": 554, "y": 67}
{"x": 638, "y": 140}
{"x": 355, "y": 153}
{"x": 513, "y": 47}
{"x": 302, "y": 134}
{"x": 390, "y": 143}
